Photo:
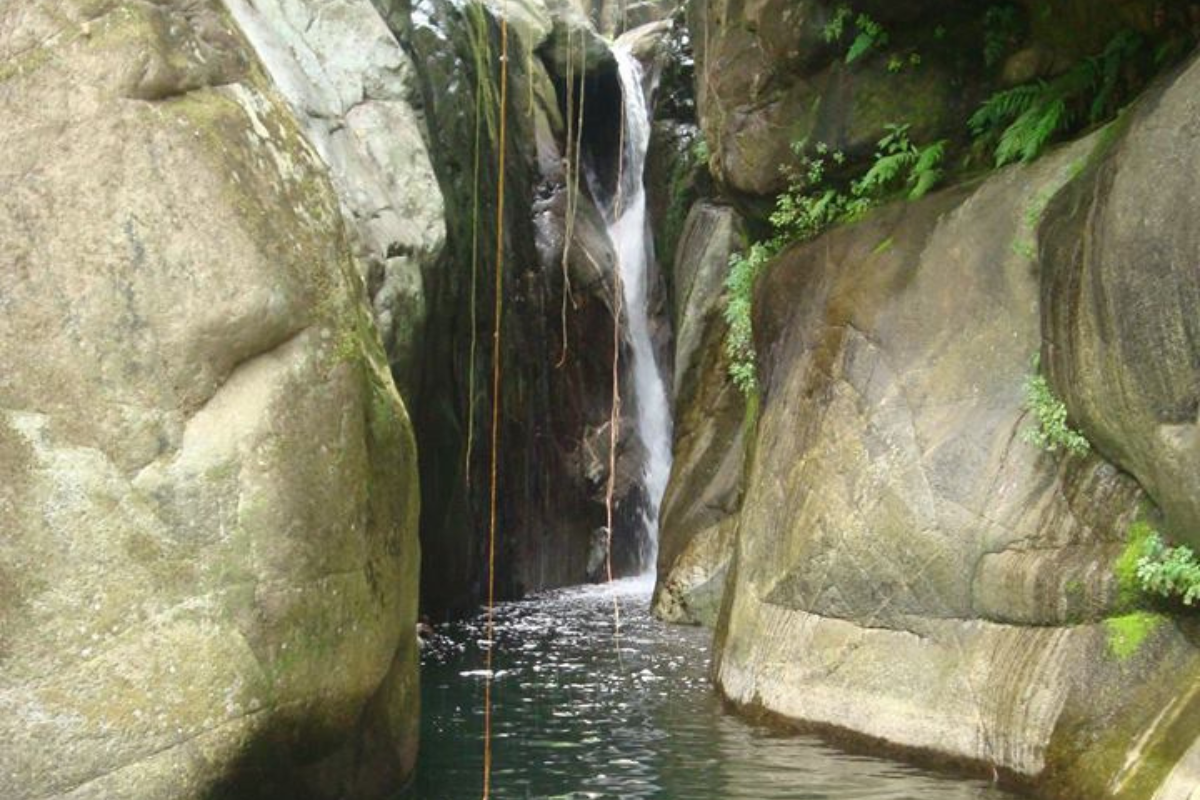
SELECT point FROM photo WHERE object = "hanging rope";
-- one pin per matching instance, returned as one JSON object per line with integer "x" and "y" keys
{"x": 497, "y": 311}
{"x": 480, "y": 77}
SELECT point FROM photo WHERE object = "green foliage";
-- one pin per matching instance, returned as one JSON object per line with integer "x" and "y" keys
{"x": 1001, "y": 27}
{"x": 898, "y": 157}
{"x": 869, "y": 34}
{"x": 1051, "y": 431}
{"x": 739, "y": 341}
{"x": 700, "y": 151}
{"x": 1125, "y": 568}
{"x": 1172, "y": 573}
{"x": 1127, "y": 634}
{"x": 810, "y": 205}
{"x": 1021, "y": 121}
{"x": 835, "y": 28}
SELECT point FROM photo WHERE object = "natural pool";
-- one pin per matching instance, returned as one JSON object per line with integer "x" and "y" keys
{"x": 577, "y": 714}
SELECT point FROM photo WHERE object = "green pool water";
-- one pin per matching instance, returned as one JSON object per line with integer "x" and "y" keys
{"x": 581, "y": 713}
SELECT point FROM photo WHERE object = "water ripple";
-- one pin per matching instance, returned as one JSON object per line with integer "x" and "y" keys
{"x": 582, "y": 710}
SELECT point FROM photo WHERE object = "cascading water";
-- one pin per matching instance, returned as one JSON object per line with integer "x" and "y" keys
{"x": 628, "y": 230}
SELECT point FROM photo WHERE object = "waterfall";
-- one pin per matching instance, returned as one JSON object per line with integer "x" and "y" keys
{"x": 629, "y": 232}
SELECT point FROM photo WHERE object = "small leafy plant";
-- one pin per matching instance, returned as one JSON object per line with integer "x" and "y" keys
{"x": 1001, "y": 25}
{"x": 870, "y": 35}
{"x": 1051, "y": 431}
{"x": 1169, "y": 572}
{"x": 810, "y": 205}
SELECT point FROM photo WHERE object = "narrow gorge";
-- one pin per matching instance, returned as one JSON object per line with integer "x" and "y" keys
{"x": 740, "y": 399}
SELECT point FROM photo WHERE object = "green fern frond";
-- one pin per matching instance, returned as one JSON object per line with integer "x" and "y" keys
{"x": 1002, "y": 107}
{"x": 926, "y": 172}
{"x": 884, "y": 172}
{"x": 930, "y": 157}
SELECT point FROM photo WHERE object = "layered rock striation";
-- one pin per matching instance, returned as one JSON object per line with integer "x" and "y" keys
{"x": 883, "y": 555}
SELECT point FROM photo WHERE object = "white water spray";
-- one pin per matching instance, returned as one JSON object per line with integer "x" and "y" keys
{"x": 629, "y": 233}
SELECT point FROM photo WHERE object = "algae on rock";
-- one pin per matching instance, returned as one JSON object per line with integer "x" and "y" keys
{"x": 210, "y": 557}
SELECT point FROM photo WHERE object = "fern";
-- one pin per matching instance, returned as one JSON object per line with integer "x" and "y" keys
{"x": 836, "y": 26}
{"x": 1123, "y": 48}
{"x": 1024, "y": 139}
{"x": 926, "y": 173}
{"x": 1002, "y": 107}
{"x": 1050, "y": 413}
{"x": 1023, "y": 120}
{"x": 870, "y": 34}
{"x": 1000, "y": 31}
{"x": 807, "y": 208}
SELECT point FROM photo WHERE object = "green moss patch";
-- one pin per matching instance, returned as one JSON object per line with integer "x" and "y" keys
{"x": 1127, "y": 634}
{"x": 1126, "y": 565}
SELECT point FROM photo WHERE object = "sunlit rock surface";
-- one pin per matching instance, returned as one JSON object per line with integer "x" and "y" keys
{"x": 906, "y": 567}
{"x": 352, "y": 90}
{"x": 208, "y": 561}
{"x": 702, "y": 499}
{"x": 1122, "y": 300}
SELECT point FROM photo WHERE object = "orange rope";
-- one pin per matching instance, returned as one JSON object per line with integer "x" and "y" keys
{"x": 495, "y": 454}
{"x": 479, "y": 82}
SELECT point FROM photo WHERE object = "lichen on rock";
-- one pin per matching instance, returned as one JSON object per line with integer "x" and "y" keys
{"x": 213, "y": 510}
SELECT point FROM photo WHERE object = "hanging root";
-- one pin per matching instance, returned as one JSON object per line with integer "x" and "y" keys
{"x": 574, "y": 150}
{"x": 480, "y": 77}
{"x": 497, "y": 312}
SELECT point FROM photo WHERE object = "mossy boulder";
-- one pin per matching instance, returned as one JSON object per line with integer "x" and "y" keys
{"x": 209, "y": 563}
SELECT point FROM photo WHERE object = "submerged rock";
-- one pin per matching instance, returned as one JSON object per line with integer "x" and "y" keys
{"x": 208, "y": 568}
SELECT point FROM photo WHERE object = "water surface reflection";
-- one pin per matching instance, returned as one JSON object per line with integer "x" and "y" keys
{"x": 579, "y": 714}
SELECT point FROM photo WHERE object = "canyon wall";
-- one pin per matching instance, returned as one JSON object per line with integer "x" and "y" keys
{"x": 882, "y": 554}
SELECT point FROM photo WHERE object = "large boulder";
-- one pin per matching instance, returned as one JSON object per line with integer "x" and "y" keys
{"x": 1122, "y": 300}
{"x": 209, "y": 561}
{"x": 907, "y": 568}
{"x": 352, "y": 89}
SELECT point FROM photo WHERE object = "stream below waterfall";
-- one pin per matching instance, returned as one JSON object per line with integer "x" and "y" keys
{"x": 579, "y": 715}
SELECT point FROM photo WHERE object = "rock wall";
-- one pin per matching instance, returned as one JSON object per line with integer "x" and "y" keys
{"x": 700, "y": 507}
{"x": 890, "y": 561}
{"x": 209, "y": 563}
{"x": 1120, "y": 301}
{"x": 352, "y": 89}
{"x": 905, "y": 566}
{"x": 557, "y": 318}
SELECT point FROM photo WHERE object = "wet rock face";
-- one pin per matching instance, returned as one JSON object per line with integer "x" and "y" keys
{"x": 556, "y": 358}
{"x": 1121, "y": 295}
{"x": 208, "y": 566}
